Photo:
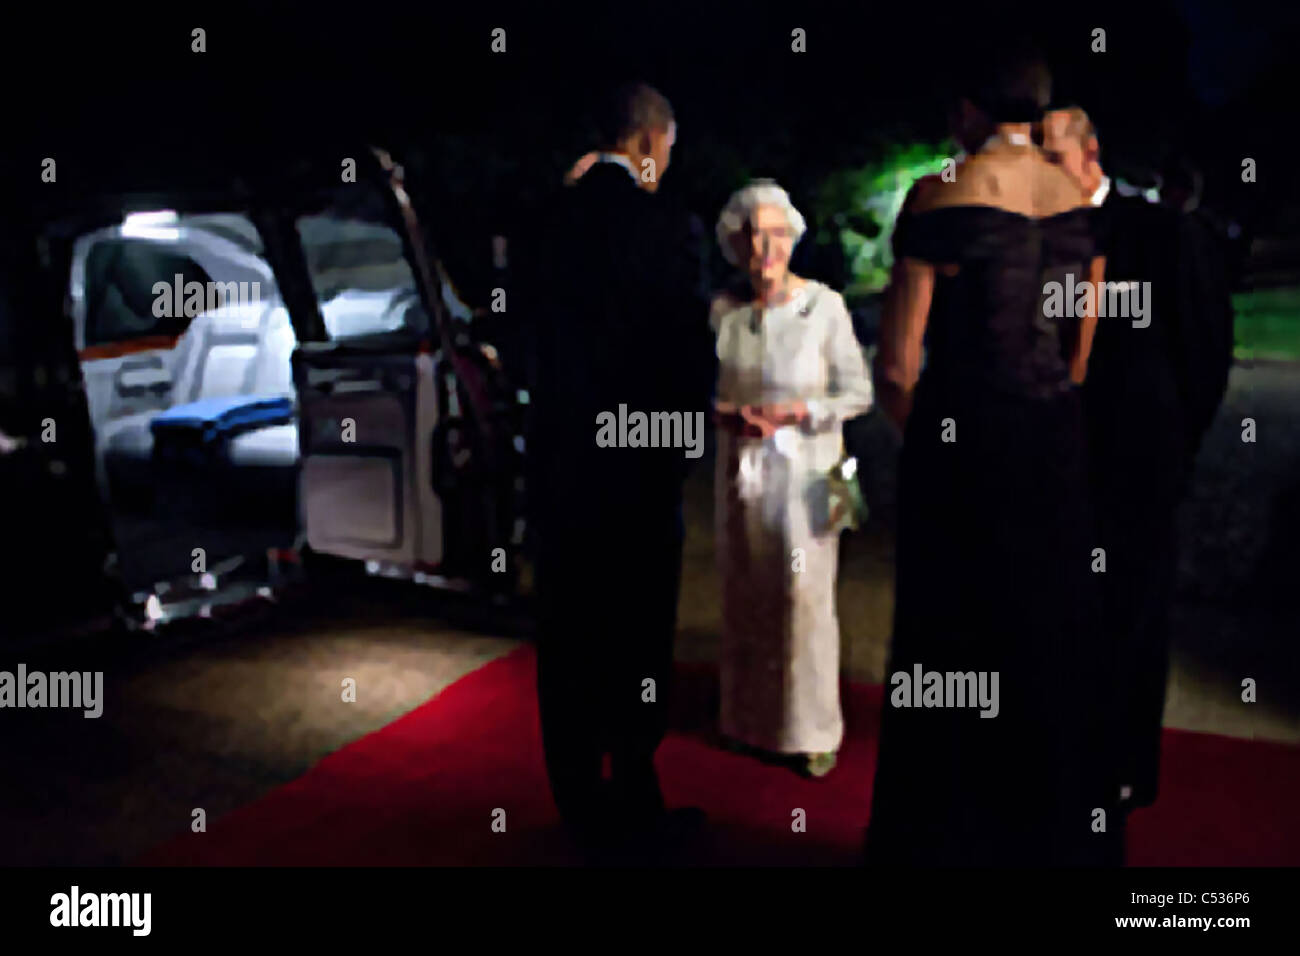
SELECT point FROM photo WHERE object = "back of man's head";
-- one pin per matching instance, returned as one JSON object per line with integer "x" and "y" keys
{"x": 1076, "y": 124}
{"x": 629, "y": 110}
{"x": 1181, "y": 183}
{"x": 1071, "y": 127}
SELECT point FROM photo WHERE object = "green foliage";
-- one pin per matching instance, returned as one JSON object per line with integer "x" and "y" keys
{"x": 1267, "y": 324}
{"x": 858, "y": 207}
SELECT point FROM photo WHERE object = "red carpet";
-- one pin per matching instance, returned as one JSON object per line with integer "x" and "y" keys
{"x": 424, "y": 789}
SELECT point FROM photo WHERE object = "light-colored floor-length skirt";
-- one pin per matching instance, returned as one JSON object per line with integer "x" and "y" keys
{"x": 780, "y": 650}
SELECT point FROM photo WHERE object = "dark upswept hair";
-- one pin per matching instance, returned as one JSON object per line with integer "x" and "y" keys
{"x": 1013, "y": 87}
{"x": 628, "y": 109}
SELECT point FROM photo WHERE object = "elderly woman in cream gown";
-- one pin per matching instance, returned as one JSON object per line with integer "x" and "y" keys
{"x": 790, "y": 372}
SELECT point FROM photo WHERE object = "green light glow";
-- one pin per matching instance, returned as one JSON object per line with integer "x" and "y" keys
{"x": 862, "y": 203}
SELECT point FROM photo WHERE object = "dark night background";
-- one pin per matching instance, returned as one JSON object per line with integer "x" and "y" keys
{"x": 484, "y": 135}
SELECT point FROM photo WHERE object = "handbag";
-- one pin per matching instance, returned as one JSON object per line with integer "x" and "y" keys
{"x": 845, "y": 504}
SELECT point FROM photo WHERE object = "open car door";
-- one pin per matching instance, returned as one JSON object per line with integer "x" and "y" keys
{"x": 408, "y": 430}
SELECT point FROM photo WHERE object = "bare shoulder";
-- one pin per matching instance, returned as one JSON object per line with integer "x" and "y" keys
{"x": 977, "y": 181}
{"x": 1022, "y": 182}
{"x": 1055, "y": 192}
{"x": 925, "y": 193}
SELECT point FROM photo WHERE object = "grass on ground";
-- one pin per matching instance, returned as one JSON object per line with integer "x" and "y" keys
{"x": 1267, "y": 324}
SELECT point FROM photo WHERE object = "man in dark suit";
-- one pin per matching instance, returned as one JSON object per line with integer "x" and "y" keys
{"x": 1205, "y": 297}
{"x": 609, "y": 288}
{"x": 1143, "y": 418}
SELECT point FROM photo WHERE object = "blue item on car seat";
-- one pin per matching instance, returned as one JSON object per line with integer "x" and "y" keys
{"x": 197, "y": 429}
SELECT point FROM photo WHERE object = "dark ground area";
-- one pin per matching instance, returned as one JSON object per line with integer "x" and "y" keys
{"x": 216, "y": 714}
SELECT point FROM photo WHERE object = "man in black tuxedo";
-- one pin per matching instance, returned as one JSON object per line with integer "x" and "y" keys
{"x": 1205, "y": 297}
{"x": 610, "y": 292}
{"x": 1144, "y": 410}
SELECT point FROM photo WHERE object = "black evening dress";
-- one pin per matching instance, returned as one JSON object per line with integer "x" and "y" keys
{"x": 995, "y": 564}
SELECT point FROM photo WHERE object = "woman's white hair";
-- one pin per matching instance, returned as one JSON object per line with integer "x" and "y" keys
{"x": 740, "y": 207}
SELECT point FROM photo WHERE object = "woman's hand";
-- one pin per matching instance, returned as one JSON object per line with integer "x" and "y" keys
{"x": 754, "y": 424}
{"x": 726, "y": 415}
{"x": 742, "y": 420}
{"x": 764, "y": 420}
{"x": 785, "y": 413}
{"x": 758, "y": 421}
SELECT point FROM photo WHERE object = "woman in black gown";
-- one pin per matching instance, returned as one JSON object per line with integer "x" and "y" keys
{"x": 994, "y": 554}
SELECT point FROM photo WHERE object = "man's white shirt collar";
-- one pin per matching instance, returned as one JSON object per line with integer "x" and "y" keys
{"x": 621, "y": 160}
{"x": 1102, "y": 192}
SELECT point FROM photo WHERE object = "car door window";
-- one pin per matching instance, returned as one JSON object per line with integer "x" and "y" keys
{"x": 361, "y": 277}
{"x": 120, "y": 279}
